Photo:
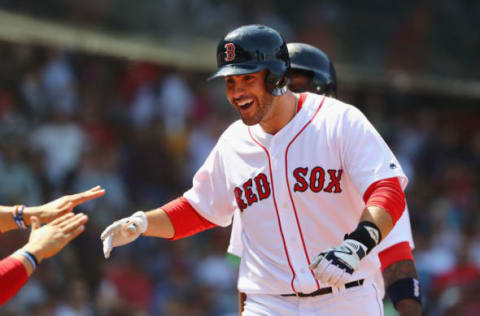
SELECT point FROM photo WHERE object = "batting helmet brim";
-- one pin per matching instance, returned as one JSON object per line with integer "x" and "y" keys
{"x": 238, "y": 69}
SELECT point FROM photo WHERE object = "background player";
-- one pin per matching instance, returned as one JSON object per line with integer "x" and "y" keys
{"x": 311, "y": 70}
{"x": 44, "y": 242}
{"x": 289, "y": 152}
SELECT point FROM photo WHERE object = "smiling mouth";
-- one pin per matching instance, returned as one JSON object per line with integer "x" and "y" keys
{"x": 245, "y": 106}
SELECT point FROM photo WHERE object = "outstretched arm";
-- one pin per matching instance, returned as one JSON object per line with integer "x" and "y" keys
{"x": 46, "y": 212}
{"x": 44, "y": 242}
{"x": 176, "y": 219}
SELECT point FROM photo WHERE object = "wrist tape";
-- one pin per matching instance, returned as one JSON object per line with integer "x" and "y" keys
{"x": 408, "y": 288}
{"x": 366, "y": 233}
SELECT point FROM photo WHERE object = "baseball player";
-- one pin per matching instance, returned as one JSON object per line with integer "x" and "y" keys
{"x": 311, "y": 70}
{"x": 317, "y": 188}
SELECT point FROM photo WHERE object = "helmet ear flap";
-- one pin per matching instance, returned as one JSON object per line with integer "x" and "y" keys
{"x": 276, "y": 85}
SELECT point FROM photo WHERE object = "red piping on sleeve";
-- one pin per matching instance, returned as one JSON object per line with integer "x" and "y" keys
{"x": 185, "y": 220}
{"x": 13, "y": 276}
{"x": 387, "y": 194}
{"x": 394, "y": 254}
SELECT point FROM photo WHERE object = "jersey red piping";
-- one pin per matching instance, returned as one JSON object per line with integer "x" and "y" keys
{"x": 302, "y": 98}
{"x": 290, "y": 191}
{"x": 276, "y": 208}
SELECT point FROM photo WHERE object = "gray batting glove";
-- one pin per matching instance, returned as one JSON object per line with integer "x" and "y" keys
{"x": 123, "y": 231}
{"x": 335, "y": 266}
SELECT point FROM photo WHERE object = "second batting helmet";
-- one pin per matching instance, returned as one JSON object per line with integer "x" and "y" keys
{"x": 307, "y": 58}
{"x": 252, "y": 48}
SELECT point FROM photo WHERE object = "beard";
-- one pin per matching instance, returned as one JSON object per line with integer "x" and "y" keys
{"x": 264, "y": 104}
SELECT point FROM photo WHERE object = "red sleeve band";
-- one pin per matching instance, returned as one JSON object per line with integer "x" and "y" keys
{"x": 394, "y": 254}
{"x": 13, "y": 276}
{"x": 387, "y": 194}
{"x": 185, "y": 220}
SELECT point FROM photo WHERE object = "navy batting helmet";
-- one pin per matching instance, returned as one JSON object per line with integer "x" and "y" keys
{"x": 310, "y": 60}
{"x": 252, "y": 48}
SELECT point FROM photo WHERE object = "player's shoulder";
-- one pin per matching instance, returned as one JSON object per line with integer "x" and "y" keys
{"x": 331, "y": 108}
{"x": 234, "y": 132}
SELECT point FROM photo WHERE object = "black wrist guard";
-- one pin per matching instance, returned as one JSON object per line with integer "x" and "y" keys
{"x": 367, "y": 233}
{"x": 404, "y": 289}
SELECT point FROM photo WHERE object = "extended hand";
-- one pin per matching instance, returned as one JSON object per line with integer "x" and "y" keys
{"x": 52, "y": 210}
{"x": 123, "y": 231}
{"x": 336, "y": 265}
{"x": 48, "y": 240}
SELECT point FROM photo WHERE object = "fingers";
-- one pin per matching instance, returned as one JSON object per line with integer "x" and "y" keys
{"x": 315, "y": 262}
{"x": 88, "y": 195}
{"x": 107, "y": 247}
{"x": 109, "y": 230}
{"x": 61, "y": 219}
{"x": 34, "y": 222}
{"x": 74, "y": 233}
{"x": 74, "y": 222}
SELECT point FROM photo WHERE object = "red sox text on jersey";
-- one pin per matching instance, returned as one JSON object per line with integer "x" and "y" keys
{"x": 248, "y": 193}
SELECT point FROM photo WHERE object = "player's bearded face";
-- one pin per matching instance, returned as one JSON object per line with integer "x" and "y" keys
{"x": 248, "y": 95}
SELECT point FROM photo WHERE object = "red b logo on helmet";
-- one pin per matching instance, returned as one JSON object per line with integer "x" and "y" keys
{"x": 229, "y": 52}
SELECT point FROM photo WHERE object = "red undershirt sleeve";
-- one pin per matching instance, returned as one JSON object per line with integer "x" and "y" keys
{"x": 387, "y": 194}
{"x": 13, "y": 276}
{"x": 185, "y": 220}
{"x": 394, "y": 254}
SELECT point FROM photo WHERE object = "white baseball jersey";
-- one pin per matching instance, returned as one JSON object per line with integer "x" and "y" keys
{"x": 298, "y": 191}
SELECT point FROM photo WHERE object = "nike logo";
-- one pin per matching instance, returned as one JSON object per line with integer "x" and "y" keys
{"x": 346, "y": 251}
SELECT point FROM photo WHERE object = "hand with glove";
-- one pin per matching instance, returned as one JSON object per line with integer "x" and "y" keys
{"x": 335, "y": 266}
{"x": 123, "y": 231}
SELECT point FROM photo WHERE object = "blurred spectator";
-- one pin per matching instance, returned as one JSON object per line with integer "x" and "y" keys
{"x": 62, "y": 142}
{"x": 59, "y": 83}
{"x": 17, "y": 181}
{"x": 77, "y": 303}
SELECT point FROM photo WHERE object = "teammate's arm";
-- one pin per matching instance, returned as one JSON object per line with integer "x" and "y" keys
{"x": 400, "y": 278}
{"x": 402, "y": 271}
{"x": 43, "y": 243}
{"x": 13, "y": 217}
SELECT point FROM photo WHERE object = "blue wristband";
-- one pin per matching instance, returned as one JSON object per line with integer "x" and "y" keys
{"x": 408, "y": 288}
{"x": 30, "y": 257}
{"x": 18, "y": 216}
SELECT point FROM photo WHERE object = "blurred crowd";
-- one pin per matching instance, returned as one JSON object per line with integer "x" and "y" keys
{"x": 70, "y": 121}
{"x": 416, "y": 36}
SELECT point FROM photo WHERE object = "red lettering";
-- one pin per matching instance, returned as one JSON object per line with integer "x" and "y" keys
{"x": 238, "y": 196}
{"x": 317, "y": 178}
{"x": 251, "y": 197}
{"x": 263, "y": 187}
{"x": 229, "y": 52}
{"x": 299, "y": 175}
{"x": 335, "y": 177}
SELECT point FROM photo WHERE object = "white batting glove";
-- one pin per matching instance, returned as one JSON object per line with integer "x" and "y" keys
{"x": 335, "y": 266}
{"x": 123, "y": 231}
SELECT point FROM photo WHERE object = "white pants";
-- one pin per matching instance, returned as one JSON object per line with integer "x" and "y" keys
{"x": 361, "y": 300}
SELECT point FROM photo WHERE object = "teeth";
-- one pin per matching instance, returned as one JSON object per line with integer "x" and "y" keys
{"x": 242, "y": 103}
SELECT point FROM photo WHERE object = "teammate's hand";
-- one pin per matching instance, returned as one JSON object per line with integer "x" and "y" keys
{"x": 48, "y": 240}
{"x": 335, "y": 266}
{"x": 65, "y": 204}
{"x": 123, "y": 231}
